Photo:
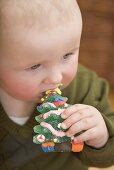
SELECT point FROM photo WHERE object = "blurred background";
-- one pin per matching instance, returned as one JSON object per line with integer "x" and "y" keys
{"x": 97, "y": 44}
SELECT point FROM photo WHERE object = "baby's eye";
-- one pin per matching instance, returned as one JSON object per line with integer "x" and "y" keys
{"x": 35, "y": 67}
{"x": 65, "y": 57}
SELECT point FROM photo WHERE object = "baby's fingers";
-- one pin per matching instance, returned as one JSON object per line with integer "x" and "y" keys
{"x": 86, "y": 136}
{"x": 81, "y": 126}
{"x": 76, "y": 117}
{"x": 73, "y": 109}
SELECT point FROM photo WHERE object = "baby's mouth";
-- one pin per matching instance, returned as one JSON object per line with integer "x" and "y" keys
{"x": 40, "y": 95}
{"x": 60, "y": 86}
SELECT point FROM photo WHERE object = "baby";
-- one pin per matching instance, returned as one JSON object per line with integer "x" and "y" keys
{"x": 39, "y": 49}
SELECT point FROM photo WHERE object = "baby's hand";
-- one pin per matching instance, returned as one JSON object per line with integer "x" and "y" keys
{"x": 87, "y": 120}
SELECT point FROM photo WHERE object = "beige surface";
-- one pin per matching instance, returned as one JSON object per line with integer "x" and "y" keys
{"x": 111, "y": 168}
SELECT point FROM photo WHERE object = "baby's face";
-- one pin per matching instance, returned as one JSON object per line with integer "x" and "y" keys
{"x": 32, "y": 62}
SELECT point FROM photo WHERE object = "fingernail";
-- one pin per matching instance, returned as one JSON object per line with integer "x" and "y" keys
{"x": 63, "y": 115}
{"x": 63, "y": 125}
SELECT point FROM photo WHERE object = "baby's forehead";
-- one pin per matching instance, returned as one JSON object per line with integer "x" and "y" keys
{"x": 43, "y": 12}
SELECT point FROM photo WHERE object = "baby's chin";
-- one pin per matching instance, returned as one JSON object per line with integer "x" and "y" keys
{"x": 37, "y": 99}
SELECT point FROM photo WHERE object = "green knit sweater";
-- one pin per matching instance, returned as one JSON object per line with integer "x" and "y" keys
{"x": 18, "y": 152}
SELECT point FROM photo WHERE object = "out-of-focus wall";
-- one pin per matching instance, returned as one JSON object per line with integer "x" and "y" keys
{"x": 97, "y": 44}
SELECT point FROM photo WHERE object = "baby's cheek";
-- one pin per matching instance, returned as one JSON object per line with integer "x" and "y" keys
{"x": 21, "y": 90}
{"x": 69, "y": 75}
{"x": 24, "y": 92}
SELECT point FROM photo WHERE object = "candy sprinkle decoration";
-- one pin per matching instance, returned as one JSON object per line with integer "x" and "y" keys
{"x": 49, "y": 131}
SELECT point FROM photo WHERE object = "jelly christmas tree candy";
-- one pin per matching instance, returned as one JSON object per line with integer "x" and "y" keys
{"x": 49, "y": 131}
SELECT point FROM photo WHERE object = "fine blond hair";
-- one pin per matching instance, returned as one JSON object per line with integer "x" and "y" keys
{"x": 42, "y": 12}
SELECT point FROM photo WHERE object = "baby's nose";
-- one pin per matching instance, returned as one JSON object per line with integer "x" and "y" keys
{"x": 53, "y": 77}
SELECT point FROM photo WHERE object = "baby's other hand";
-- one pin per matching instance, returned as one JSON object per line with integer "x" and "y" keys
{"x": 87, "y": 121}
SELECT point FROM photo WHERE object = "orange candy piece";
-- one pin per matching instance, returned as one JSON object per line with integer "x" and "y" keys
{"x": 77, "y": 147}
{"x": 48, "y": 144}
